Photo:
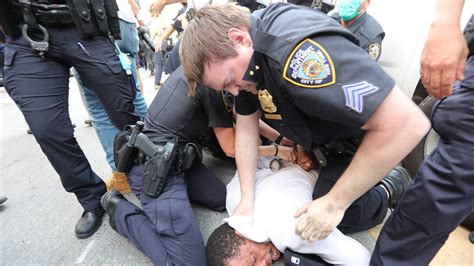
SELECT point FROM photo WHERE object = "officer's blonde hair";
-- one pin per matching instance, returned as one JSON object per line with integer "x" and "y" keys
{"x": 205, "y": 40}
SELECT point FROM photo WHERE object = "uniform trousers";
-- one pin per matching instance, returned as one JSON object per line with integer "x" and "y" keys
{"x": 166, "y": 230}
{"x": 39, "y": 87}
{"x": 366, "y": 212}
{"x": 443, "y": 193}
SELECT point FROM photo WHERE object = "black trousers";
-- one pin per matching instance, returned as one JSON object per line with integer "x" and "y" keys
{"x": 166, "y": 230}
{"x": 39, "y": 87}
{"x": 366, "y": 212}
{"x": 443, "y": 193}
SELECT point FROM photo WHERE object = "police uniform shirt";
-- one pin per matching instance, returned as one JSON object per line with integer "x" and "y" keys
{"x": 313, "y": 87}
{"x": 369, "y": 32}
{"x": 174, "y": 113}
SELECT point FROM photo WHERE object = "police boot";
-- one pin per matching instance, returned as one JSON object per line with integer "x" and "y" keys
{"x": 396, "y": 183}
{"x": 89, "y": 223}
{"x": 118, "y": 181}
{"x": 110, "y": 201}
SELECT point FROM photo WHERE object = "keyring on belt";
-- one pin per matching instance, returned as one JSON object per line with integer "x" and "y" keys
{"x": 41, "y": 47}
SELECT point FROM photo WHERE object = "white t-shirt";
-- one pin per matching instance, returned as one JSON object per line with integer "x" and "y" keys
{"x": 278, "y": 195}
{"x": 125, "y": 11}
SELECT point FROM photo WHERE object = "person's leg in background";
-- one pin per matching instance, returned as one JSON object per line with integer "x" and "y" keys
{"x": 158, "y": 59}
{"x": 443, "y": 193}
{"x": 40, "y": 89}
{"x": 106, "y": 132}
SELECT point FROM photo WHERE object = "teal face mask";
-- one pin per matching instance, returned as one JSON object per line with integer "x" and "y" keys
{"x": 348, "y": 9}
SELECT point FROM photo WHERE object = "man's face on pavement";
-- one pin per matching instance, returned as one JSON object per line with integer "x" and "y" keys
{"x": 252, "y": 253}
{"x": 228, "y": 74}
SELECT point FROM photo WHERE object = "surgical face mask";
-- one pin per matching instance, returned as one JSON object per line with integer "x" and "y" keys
{"x": 349, "y": 9}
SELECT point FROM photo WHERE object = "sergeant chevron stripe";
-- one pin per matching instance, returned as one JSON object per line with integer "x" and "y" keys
{"x": 355, "y": 94}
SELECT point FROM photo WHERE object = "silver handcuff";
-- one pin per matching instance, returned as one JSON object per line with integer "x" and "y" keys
{"x": 276, "y": 164}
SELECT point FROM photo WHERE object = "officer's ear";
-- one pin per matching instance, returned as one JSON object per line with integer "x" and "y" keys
{"x": 238, "y": 36}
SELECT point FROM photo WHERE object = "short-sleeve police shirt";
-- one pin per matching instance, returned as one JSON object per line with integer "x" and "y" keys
{"x": 174, "y": 113}
{"x": 333, "y": 84}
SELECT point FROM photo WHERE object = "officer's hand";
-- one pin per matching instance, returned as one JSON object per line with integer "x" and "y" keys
{"x": 443, "y": 58}
{"x": 320, "y": 218}
{"x": 304, "y": 159}
{"x": 287, "y": 153}
{"x": 245, "y": 208}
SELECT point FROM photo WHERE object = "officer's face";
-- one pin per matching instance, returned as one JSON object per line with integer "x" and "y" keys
{"x": 228, "y": 74}
{"x": 252, "y": 253}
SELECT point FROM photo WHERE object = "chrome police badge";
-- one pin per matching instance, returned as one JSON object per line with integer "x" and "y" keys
{"x": 374, "y": 51}
{"x": 309, "y": 66}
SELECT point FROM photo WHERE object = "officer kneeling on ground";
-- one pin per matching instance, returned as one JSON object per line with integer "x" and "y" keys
{"x": 44, "y": 40}
{"x": 315, "y": 86}
{"x": 169, "y": 174}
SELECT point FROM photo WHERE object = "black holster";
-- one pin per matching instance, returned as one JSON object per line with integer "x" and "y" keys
{"x": 157, "y": 168}
{"x": 190, "y": 153}
{"x": 9, "y": 19}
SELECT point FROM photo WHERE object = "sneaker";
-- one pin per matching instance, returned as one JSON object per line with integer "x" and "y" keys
{"x": 396, "y": 183}
{"x": 118, "y": 181}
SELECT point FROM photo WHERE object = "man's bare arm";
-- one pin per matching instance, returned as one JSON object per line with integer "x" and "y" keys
{"x": 392, "y": 132}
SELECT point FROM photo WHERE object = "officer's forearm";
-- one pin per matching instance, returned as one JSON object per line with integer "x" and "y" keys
{"x": 246, "y": 150}
{"x": 392, "y": 132}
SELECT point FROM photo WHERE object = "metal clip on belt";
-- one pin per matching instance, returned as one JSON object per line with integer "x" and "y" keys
{"x": 41, "y": 47}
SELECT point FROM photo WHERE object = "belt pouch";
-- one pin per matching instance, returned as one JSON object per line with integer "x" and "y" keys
{"x": 101, "y": 18}
{"x": 82, "y": 17}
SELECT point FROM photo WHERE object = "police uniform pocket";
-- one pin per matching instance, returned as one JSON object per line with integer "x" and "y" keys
{"x": 103, "y": 54}
{"x": 162, "y": 217}
{"x": 9, "y": 57}
{"x": 182, "y": 215}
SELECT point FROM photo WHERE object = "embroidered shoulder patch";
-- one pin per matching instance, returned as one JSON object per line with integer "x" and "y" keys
{"x": 309, "y": 66}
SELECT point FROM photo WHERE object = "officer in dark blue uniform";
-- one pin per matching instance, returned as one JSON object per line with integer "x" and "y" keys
{"x": 317, "y": 88}
{"x": 353, "y": 15}
{"x": 166, "y": 230}
{"x": 443, "y": 193}
{"x": 38, "y": 57}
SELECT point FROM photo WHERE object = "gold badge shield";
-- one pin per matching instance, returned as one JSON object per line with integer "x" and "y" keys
{"x": 266, "y": 101}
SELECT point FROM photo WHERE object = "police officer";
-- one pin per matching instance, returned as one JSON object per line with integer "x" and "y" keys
{"x": 353, "y": 15}
{"x": 166, "y": 230}
{"x": 317, "y": 88}
{"x": 43, "y": 42}
{"x": 443, "y": 193}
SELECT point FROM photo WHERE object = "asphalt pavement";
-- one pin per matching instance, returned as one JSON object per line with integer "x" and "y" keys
{"x": 37, "y": 222}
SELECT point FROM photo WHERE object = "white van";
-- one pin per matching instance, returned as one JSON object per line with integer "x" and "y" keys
{"x": 406, "y": 24}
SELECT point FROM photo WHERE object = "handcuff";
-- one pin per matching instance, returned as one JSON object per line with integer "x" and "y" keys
{"x": 276, "y": 164}
{"x": 41, "y": 47}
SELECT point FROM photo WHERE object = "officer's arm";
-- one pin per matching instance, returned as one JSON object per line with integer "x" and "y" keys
{"x": 246, "y": 150}
{"x": 392, "y": 132}
{"x": 226, "y": 138}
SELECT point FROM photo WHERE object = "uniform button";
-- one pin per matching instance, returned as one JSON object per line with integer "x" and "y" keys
{"x": 257, "y": 67}
{"x": 251, "y": 73}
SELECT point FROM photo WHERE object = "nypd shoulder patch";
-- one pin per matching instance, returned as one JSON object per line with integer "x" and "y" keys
{"x": 309, "y": 66}
{"x": 355, "y": 94}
